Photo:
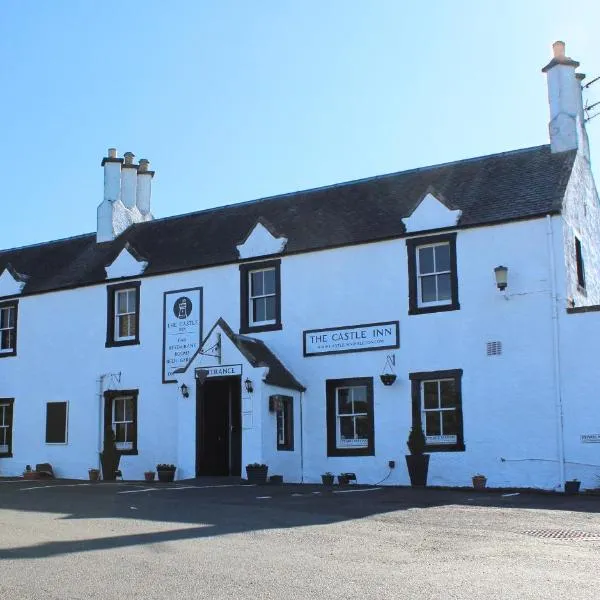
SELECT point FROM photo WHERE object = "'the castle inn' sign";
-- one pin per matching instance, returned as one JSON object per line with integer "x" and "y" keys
{"x": 352, "y": 338}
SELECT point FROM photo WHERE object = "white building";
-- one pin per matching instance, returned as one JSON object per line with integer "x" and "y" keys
{"x": 279, "y": 316}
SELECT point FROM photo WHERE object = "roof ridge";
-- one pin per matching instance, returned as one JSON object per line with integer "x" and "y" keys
{"x": 345, "y": 183}
{"x": 47, "y": 243}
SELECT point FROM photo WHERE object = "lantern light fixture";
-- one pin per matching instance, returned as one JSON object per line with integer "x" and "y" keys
{"x": 249, "y": 385}
{"x": 501, "y": 274}
{"x": 185, "y": 390}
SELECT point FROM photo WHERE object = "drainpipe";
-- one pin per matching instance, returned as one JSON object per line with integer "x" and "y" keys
{"x": 301, "y": 437}
{"x": 556, "y": 355}
{"x": 100, "y": 383}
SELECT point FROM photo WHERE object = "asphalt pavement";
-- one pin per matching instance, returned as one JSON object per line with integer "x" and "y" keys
{"x": 225, "y": 539}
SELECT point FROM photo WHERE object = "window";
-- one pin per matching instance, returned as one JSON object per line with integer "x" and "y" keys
{"x": 580, "y": 264}
{"x": 350, "y": 430}
{"x": 260, "y": 296}
{"x": 56, "y": 423}
{"x": 437, "y": 409}
{"x": 432, "y": 274}
{"x": 6, "y": 424}
{"x": 120, "y": 412}
{"x": 123, "y": 314}
{"x": 8, "y": 329}
{"x": 285, "y": 422}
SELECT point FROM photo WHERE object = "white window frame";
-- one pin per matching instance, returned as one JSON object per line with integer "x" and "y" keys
{"x": 66, "y": 423}
{"x": 251, "y": 298}
{"x": 443, "y": 438}
{"x": 9, "y": 308}
{"x": 134, "y": 291}
{"x": 127, "y": 445}
{"x": 420, "y": 276}
{"x": 281, "y": 425}
{"x": 4, "y": 427}
{"x": 355, "y": 442}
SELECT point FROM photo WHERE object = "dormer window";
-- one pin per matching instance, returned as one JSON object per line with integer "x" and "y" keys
{"x": 260, "y": 298}
{"x": 123, "y": 314}
{"x": 8, "y": 329}
{"x": 432, "y": 274}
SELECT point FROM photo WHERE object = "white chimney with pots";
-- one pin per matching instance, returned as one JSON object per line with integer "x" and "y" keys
{"x": 567, "y": 129}
{"x": 124, "y": 203}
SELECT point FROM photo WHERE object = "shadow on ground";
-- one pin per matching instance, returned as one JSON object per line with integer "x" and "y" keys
{"x": 215, "y": 508}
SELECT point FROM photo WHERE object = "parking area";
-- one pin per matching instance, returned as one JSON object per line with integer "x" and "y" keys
{"x": 227, "y": 539}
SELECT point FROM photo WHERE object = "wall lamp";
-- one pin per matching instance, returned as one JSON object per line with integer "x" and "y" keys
{"x": 501, "y": 274}
{"x": 249, "y": 385}
{"x": 185, "y": 390}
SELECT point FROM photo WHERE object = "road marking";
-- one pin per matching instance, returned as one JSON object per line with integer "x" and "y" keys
{"x": 60, "y": 485}
{"x": 263, "y": 497}
{"x": 361, "y": 490}
{"x": 186, "y": 487}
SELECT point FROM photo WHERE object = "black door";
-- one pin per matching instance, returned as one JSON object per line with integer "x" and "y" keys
{"x": 218, "y": 428}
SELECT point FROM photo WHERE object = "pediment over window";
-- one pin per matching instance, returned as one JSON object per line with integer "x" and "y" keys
{"x": 11, "y": 282}
{"x": 261, "y": 241}
{"x": 431, "y": 212}
{"x": 128, "y": 263}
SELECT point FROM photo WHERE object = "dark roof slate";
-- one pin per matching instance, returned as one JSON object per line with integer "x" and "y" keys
{"x": 490, "y": 189}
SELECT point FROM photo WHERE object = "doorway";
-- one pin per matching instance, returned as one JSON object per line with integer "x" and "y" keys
{"x": 218, "y": 427}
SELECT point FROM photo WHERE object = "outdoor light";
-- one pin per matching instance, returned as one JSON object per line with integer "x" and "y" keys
{"x": 501, "y": 274}
{"x": 248, "y": 385}
{"x": 185, "y": 391}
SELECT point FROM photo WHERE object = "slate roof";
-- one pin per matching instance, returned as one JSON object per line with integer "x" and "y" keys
{"x": 500, "y": 187}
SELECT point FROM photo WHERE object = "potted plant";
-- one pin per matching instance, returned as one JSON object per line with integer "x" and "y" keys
{"x": 276, "y": 479}
{"x": 94, "y": 474}
{"x": 417, "y": 461}
{"x": 149, "y": 475}
{"x": 387, "y": 378}
{"x": 256, "y": 473}
{"x": 343, "y": 479}
{"x": 29, "y": 474}
{"x": 166, "y": 473}
{"x": 479, "y": 481}
{"x": 328, "y": 478}
{"x": 110, "y": 456}
{"x": 572, "y": 487}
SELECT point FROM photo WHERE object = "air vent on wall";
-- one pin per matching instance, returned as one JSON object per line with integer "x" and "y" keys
{"x": 494, "y": 348}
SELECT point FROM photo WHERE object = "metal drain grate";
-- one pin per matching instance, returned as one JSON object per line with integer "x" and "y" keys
{"x": 562, "y": 534}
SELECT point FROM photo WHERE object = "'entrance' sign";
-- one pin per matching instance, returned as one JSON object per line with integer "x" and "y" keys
{"x": 182, "y": 329}
{"x": 352, "y": 338}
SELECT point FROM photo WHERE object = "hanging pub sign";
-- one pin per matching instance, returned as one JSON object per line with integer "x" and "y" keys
{"x": 352, "y": 338}
{"x": 182, "y": 329}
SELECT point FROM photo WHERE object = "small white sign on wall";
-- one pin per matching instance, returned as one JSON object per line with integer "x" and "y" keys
{"x": 182, "y": 329}
{"x": 590, "y": 438}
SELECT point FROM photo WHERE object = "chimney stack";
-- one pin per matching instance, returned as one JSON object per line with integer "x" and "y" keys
{"x": 126, "y": 195}
{"x": 567, "y": 130}
{"x": 144, "y": 188}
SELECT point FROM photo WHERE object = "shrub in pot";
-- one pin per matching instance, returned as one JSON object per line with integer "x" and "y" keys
{"x": 257, "y": 473}
{"x": 149, "y": 475}
{"x": 166, "y": 472}
{"x": 327, "y": 478}
{"x": 417, "y": 461}
{"x": 572, "y": 487}
{"x": 94, "y": 474}
{"x": 479, "y": 481}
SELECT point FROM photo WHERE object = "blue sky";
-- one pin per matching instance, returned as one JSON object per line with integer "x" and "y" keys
{"x": 236, "y": 100}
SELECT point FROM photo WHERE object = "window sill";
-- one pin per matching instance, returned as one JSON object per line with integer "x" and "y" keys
{"x": 424, "y": 310}
{"x": 6, "y": 454}
{"x": 116, "y": 343}
{"x": 260, "y": 328}
{"x": 7, "y": 354}
{"x": 132, "y": 452}
{"x": 351, "y": 452}
{"x": 284, "y": 449}
{"x": 445, "y": 448}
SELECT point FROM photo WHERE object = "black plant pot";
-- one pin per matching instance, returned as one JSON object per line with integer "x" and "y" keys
{"x": 257, "y": 475}
{"x": 166, "y": 475}
{"x": 572, "y": 487}
{"x": 418, "y": 465}
{"x": 387, "y": 378}
{"x": 327, "y": 479}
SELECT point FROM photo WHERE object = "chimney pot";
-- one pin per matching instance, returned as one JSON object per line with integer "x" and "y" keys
{"x": 129, "y": 156}
{"x": 144, "y": 163}
{"x": 112, "y": 153}
{"x": 559, "y": 49}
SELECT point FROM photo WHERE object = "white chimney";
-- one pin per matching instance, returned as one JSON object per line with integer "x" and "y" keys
{"x": 144, "y": 188}
{"x": 119, "y": 207}
{"x": 567, "y": 130}
{"x": 129, "y": 180}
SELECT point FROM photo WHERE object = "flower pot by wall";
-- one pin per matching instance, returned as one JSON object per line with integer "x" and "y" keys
{"x": 327, "y": 479}
{"x": 149, "y": 475}
{"x": 479, "y": 482}
{"x": 276, "y": 479}
{"x": 166, "y": 475}
{"x": 418, "y": 466}
{"x": 257, "y": 475}
{"x": 94, "y": 474}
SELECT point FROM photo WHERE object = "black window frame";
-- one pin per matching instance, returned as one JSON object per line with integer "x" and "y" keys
{"x": 66, "y": 423}
{"x": 285, "y": 405}
{"x": 11, "y": 403}
{"x": 12, "y": 304}
{"x": 412, "y": 245}
{"x": 245, "y": 270}
{"x": 111, "y": 291}
{"x": 330, "y": 390}
{"x": 109, "y": 398}
{"x": 580, "y": 264}
{"x": 416, "y": 380}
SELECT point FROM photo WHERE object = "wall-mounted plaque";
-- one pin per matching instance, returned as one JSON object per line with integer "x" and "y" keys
{"x": 182, "y": 329}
